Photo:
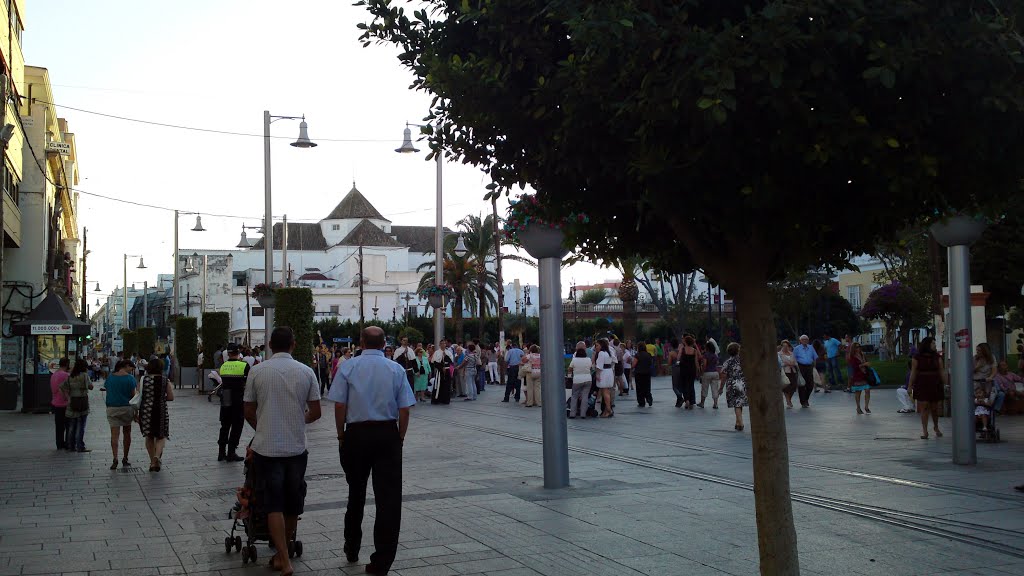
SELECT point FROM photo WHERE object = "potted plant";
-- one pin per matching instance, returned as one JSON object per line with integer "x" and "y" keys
{"x": 436, "y": 294}
{"x": 264, "y": 294}
{"x": 542, "y": 236}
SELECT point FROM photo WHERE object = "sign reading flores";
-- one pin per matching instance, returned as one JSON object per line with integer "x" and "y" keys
{"x": 51, "y": 329}
{"x": 62, "y": 148}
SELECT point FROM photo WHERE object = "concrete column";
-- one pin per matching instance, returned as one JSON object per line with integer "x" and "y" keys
{"x": 555, "y": 435}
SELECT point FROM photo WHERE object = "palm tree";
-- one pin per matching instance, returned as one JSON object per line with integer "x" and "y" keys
{"x": 628, "y": 294}
{"x": 471, "y": 287}
{"x": 478, "y": 234}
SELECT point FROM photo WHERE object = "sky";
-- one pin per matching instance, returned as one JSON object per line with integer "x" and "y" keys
{"x": 218, "y": 64}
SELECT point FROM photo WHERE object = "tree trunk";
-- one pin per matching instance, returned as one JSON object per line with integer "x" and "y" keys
{"x": 480, "y": 306}
{"x": 457, "y": 312}
{"x": 776, "y": 532}
{"x": 629, "y": 320}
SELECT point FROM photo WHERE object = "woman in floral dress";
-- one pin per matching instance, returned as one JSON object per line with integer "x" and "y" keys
{"x": 153, "y": 420}
{"x": 735, "y": 383}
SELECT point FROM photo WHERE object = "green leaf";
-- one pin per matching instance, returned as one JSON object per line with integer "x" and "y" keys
{"x": 887, "y": 77}
{"x": 626, "y": 23}
{"x": 893, "y": 143}
{"x": 871, "y": 73}
{"x": 705, "y": 103}
{"x": 719, "y": 114}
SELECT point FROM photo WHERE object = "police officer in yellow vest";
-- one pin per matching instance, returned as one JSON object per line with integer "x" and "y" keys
{"x": 233, "y": 373}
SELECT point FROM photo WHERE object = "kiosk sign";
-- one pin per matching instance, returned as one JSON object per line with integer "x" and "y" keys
{"x": 963, "y": 338}
{"x": 48, "y": 329}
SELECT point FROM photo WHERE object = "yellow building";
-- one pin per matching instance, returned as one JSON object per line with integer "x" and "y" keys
{"x": 855, "y": 286}
{"x": 13, "y": 67}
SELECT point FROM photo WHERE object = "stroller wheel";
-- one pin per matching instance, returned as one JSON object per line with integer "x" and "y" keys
{"x": 298, "y": 548}
{"x": 252, "y": 553}
{"x": 245, "y": 555}
{"x": 291, "y": 549}
{"x": 227, "y": 544}
{"x": 238, "y": 543}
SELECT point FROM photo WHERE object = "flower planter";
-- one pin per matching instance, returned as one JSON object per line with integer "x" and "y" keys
{"x": 543, "y": 242}
{"x": 957, "y": 231}
{"x": 435, "y": 300}
{"x": 269, "y": 301}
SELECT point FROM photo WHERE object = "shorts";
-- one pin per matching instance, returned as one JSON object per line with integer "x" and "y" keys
{"x": 281, "y": 481}
{"x": 120, "y": 416}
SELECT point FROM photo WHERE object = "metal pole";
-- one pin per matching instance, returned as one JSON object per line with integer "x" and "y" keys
{"x": 961, "y": 362}
{"x": 268, "y": 228}
{"x": 145, "y": 303}
{"x": 285, "y": 276}
{"x": 362, "y": 306}
{"x": 501, "y": 291}
{"x": 174, "y": 290}
{"x": 124, "y": 309}
{"x": 3, "y": 195}
{"x": 85, "y": 258}
{"x": 206, "y": 261}
{"x": 553, "y": 422}
{"x": 438, "y": 256}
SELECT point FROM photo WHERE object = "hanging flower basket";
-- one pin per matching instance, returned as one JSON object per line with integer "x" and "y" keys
{"x": 264, "y": 294}
{"x": 958, "y": 230}
{"x": 542, "y": 236}
{"x": 436, "y": 295}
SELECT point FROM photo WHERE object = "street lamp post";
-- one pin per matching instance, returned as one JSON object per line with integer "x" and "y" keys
{"x": 408, "y": 148}
{"x": 303, "y": 141}
{"x": 174, "y": 290}
{"x": 124, "y": 309}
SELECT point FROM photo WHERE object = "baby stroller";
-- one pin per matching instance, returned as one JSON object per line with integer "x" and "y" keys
{"x": 249, "y": 517}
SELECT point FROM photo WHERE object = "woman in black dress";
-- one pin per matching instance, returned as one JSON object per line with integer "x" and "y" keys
{"x": 441, "y": 363}
{"x": 688, "y": 369}
{"x": 153, "y": 420}
{"x": 927, "y": 384}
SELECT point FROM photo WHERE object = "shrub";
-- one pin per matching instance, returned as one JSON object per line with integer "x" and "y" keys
{"x": 295, "y": 310}
{"x": 186, "y": 341}
{"x": 215, "y": 334}
{"x": 412, "y": 334}
{"x": 129, "y": 342}
{"x": 146, "y": 341}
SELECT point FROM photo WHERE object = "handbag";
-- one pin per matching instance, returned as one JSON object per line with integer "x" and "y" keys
{"x": 79, "y": 403}
{"x": 817, "y": 378}
{"x": 136, "y": 401}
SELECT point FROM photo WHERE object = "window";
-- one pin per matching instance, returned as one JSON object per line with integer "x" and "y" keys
{"x": 335, "y": 227}
{"x": 335, "y": 310}
{"x": 239, "y": 278}
{"x": 11, "y": 183}
{"x": 853, "y": 295}
{"x": 257, "y": 311}
{"x": 876, "y": 336}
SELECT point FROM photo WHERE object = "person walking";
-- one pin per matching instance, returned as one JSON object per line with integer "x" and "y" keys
{"x": 120, "y": 387}
{"x": 627, "y": 364}
{"x": 859, "y": 379}
{"x": 421, "y": 371}
{"x": 441, "y": 362}
{"x": 833, "y": 374}
{"x": 233, "y": 373}
{"x": 927, "y": 384}
{"x": 709, "y": 378}
{"x": 533, "y": 377}
{"x": 789, "y": 368}
{"x": 805, "y": 359}
{"x": 579, "y": 369}
{"x": 513, "y": 357}
{"x": 735, "y": 383}
{"x": 688, "y": 369}
{"x": 281, "y": 398}
{"x": 59, "y": 403}
{"x": 154, "y": 422}
{"x": 492, "y": 365}
{"x": 76, "y": 388}
{"x": 405, "y": 355}
{"x": 371, "y": 413}
{"x": 643, "y": 367}
{"x": 470, "y": 362}
{"x": 605, "y": 366}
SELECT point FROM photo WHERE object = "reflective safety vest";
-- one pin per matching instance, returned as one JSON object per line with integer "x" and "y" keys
{"x": 232, "y": 373}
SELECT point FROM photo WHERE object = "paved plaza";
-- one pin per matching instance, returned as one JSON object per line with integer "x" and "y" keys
{"x": 656, "y": 491}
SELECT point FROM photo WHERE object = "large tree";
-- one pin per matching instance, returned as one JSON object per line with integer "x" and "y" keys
{"x": 469, "y": 278}
{"x": 745, "y": 139}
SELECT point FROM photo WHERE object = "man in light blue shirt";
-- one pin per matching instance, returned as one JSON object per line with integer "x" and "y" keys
{"x": 805, "y": 357}
{"x": 371, "y": 412}
{"x": 832, "y": 347}
{"x": 513, "y": 357}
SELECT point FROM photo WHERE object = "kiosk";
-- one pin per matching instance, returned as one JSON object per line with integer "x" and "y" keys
{"x": 50, "y": 333}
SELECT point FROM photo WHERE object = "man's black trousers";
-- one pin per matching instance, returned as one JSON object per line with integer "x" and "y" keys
{"x": 232, "y": 419}
{"x": 373, "y": 447}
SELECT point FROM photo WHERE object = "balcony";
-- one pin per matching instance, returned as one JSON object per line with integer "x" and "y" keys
{"x": 12, "y": 222}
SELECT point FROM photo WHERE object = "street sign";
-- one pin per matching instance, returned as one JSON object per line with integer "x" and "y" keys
{"x": 62, "y": 148}
{"x": 45, "y": 329}
{"x": 963, "y": 338}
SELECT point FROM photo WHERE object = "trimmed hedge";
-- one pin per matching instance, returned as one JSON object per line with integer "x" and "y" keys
{"x": 216, "y": 326}
{"x": 129, "y": 342}
{"x": 146, "y": 341}
{"x": 186, "y": 345}
{"x": 414, "y": 335}
{"x": 295, "y": 310}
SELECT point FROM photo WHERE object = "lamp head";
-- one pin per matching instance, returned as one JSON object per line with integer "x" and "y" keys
{"x": 304, "y": 141}
{"x": 199, "y": 224}
{"x": 142, "y": 265}
{"x": 244, "y": 242}
{"x": 97, "y": 287}
{"x": 460, "y": 247}
{"x": 407, "y": 147}
{"x": 6, "y": 133}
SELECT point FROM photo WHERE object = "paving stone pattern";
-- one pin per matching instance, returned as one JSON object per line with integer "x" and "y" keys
{"x": 658, "y": 491}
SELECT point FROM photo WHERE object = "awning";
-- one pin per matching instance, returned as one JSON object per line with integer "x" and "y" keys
{"x": 51, "y": 316}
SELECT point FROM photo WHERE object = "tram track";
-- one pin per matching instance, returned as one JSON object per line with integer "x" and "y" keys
{"x": 918, "y": 484}
{"x": 920, "y": 523}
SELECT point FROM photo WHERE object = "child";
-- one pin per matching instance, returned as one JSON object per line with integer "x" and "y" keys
{"x": 982, "y": 407}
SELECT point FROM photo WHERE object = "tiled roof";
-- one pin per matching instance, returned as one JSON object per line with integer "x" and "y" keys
{"x": 353, "y": 206}
{"x": 301, "y": 236}
{"x": 417, "y": 238}
{"x": 313, "y": 276}
{"x": 366, "y": 233}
